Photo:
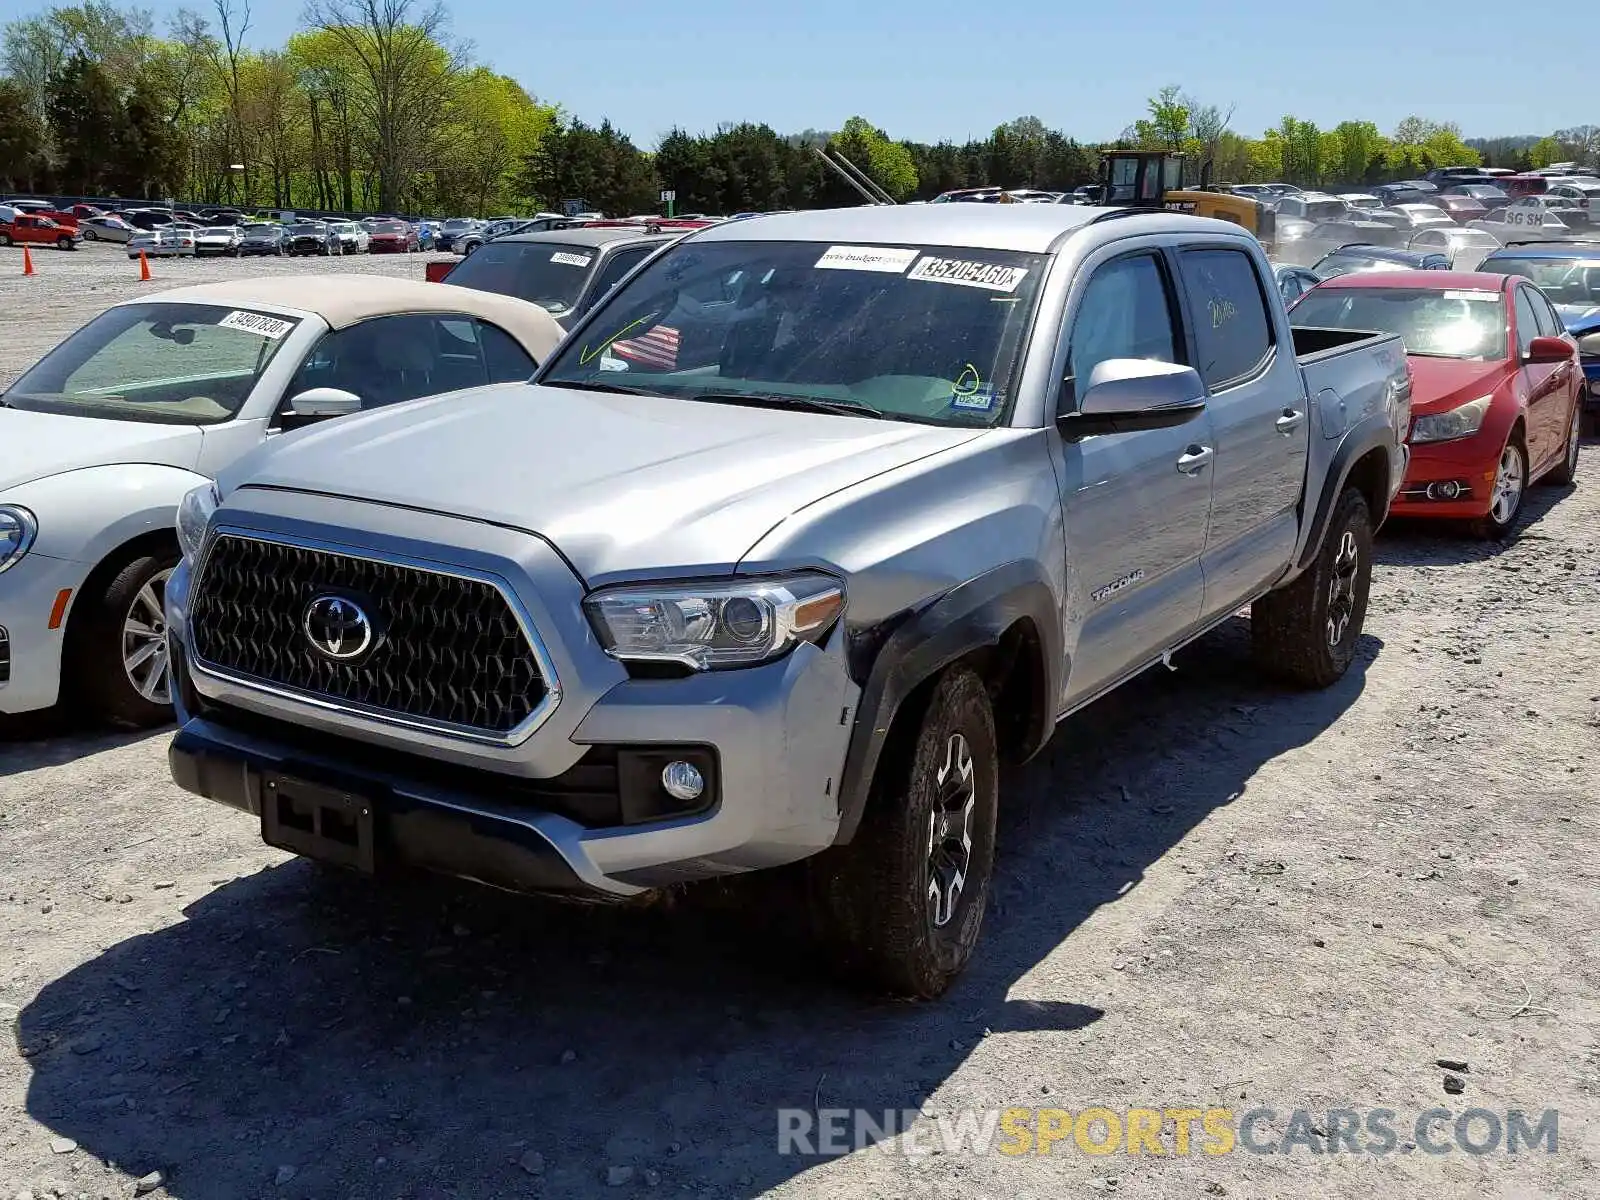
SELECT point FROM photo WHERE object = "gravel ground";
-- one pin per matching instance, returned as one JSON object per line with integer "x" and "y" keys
{"x": 1210, "y": 893}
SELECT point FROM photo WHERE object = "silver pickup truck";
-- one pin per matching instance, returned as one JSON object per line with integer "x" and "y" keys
{"x": 811, "y": 525}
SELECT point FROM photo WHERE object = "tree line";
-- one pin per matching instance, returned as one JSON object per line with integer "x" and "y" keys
{"x": 373, "y": 106}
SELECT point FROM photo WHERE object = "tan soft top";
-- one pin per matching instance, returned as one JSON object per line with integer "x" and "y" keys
{"x": 344, "y": 300}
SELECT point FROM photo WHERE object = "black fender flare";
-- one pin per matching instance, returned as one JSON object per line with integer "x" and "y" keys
{"x": 1372, "y": 434}
{"x": 970, "y": 616}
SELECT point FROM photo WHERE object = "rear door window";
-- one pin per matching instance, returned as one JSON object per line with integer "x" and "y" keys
{"x": 1232, "y": 324}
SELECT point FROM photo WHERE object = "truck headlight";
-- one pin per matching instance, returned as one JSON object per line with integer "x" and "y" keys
{"x": 705, "y": 626}
{"x": 18, "y": 528}
{"x": 1459, "y": 422}
{"x": 194, "y": 511}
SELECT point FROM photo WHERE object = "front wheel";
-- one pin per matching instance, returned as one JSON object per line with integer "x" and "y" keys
{"x": 63, "y": 243}
{"x": 119, "y": 651}
{"x": 89, "y": 234}
{"x": 1506, "y": 496}
{"x": 1306, "y": 633}
{"x": 900, "y": 907}
{"x": 1567, "y": 471}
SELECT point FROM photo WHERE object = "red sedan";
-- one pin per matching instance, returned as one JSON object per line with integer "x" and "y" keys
{"x": 392, "y": 237}
{"x": 1495, "y": 385}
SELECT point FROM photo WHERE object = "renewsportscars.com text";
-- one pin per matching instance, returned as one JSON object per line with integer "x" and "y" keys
{"x": 1178, "y": 1131}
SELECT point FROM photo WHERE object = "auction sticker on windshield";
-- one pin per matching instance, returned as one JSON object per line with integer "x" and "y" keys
{"x": 888, "y": 259}
{"x": 570, "y": 260}
{"x": 267, "y": 327}
{"x": 990, "y": 276}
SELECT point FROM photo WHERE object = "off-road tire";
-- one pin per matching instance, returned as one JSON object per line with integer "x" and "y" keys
{"x": 95, "y": 653}
{"x": 871, "y": 898}
{"x": 1566, "y": 470}
{"x": 1292, "y": 630}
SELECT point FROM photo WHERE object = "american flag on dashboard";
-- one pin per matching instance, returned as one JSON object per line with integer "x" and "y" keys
{"x": 656, "y": 350}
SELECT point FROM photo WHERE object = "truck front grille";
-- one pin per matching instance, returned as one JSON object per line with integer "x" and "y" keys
{"x": 5, "y": 655}
{"x": 447, "y": 651}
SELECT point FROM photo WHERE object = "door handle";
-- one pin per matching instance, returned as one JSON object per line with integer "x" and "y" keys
{"x": 1291, "y": 420}
{"x": 1194, "y": 459}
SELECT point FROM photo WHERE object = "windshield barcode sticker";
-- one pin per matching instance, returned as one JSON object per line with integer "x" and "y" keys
{"x": 570, "y": 260}
{"x": 1482, "y": 296}
{"x": 990, "y": 276}
{"x": 267, "y": 327}
{"x": 867, "y": 258}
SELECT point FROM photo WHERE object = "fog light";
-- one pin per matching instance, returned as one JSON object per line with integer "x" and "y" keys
{"x": 682, "y": 781}
{"x": 1448, "y": 490}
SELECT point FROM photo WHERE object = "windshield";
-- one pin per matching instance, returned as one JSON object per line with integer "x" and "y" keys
{"x": 1443, "y": 323}
{"x": 219, "y": 231}
{"x": 305, "y": 227}
{"x": 1325, "y": 210}
{"x": 1574, "y": 280}
{"x": 388, "y": 227}
{"x": 927, "y": 334}
{"x": 549, "y": 274}
{"x": 1481, "y": 191}
{"x": 165, "y": 363}
{"x": 259, "y": 230}
{"x": 1349, "y": 264}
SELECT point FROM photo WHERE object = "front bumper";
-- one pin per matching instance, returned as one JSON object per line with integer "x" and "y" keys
{"x": 1469, "y": 464}
{"x": 30, "y": 660}
{"x": 775, "y": 737}
{"x": 1591, "y": 395}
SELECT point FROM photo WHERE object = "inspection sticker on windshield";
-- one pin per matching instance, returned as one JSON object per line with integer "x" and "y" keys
{"x": 570, "y": 260}
{"x": 267, "y": 327}
{"x": 1489, "y": 296}
{"x": 989, "y": 276}
{"x": 981, "y": 398}
{"x": 867, "y": 258}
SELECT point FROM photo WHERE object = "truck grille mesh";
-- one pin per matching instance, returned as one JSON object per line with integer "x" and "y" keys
{"x": 449, "y": 650}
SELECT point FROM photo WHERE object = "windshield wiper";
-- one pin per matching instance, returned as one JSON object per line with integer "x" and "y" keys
{"x": 618, "y": 389}
{"x": 836, "y": 405}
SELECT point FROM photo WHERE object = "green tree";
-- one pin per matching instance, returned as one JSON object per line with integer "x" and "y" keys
{"x": 22, "y": 138}
{"x": 1544, "y": 152}
{"x": 87, "y": 119}
{"x": 889, "y": 164}
{"x": 1167, "y": 126}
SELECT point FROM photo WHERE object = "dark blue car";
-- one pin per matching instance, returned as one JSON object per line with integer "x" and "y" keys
{"x": 1569, "y": 274}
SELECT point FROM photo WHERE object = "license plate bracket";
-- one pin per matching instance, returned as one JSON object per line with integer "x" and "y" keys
{"x": 318, "y": 821}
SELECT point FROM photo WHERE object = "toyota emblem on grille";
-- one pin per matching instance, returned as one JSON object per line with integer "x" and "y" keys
{"x": 338, "y": 628}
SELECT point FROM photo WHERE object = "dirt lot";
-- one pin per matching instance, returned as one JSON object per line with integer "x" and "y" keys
{"x": 1211, "y": 893}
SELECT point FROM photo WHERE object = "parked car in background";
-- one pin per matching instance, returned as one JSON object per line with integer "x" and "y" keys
{"x": 1464, "y": 248}
{"x": 762, "y": 606}
{"x": 1568, "y": 273}
{"x": 155, "y": 396}
{"x": 84, "y": 211}
{"x": 263, "y": 237}
{"x": 1517, "y": 186}
{"x": 391, "y": 237}
{"x": 1313, "y": 206}
{"x": 26, "y": 229}
{"x": 426, "y": 232}
{"x": 1366, "y": 259}
{"x": 1394, "y": 195}
{"x": 353, "y": 239}
{"x": 1495, "y": 386}
{"x": 1294, "y": 281}
{"x": 170, "y": 242}
{"x": 147, "y": 218}
{"x": 313, "y": 237}
{"x": 1412, "y": 217}
{"x": 1490, "y": 195}
{"x": 1361, "y": 200}
{"x": 1562, "y": 208}
{"x": 43, "y": 208}
{"x": 105, "y": 229}
{"x": 564, "y": 272}
{"x": 1531, "y": 218}
{"x": 217, "y": 240}
{"x": 1461, "y": 208}
{"x": 452, "y": 230}
{"x": 1582, "y": 192}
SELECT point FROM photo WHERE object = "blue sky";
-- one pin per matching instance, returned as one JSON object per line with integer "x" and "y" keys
{"x": 928, "y": 69}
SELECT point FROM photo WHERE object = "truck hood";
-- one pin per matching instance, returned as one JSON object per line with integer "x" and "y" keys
{"x": 1439, "y": 384}
{"x": 34, "y": 445}
{"x": 621, "y": 485}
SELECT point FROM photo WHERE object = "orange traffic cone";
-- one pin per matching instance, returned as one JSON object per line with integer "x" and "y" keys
{"x": 144, "y": 266}
{"x": 27, "y": 262}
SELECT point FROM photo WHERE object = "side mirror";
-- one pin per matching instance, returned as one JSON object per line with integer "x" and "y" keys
{"x": 1549, "y": 350}
{"x": 1126, "y": 394}
{"x": 320, "y": 404}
